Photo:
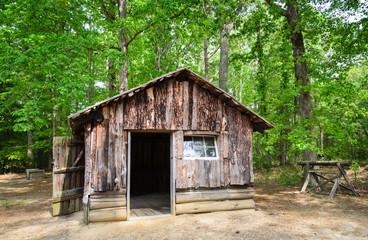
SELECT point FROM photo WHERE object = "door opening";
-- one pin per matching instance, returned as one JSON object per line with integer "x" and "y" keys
{"x": 149, "y": 174}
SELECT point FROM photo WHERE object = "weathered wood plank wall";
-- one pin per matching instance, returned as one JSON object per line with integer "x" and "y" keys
{"x": 68, "y": 175}
{"x": 108, "y": 150}
{"x": 177, "y": 106}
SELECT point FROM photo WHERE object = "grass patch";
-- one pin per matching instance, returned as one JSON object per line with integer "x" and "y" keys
{"x": 285, "y": 175}
{"x": 7, "y": 204}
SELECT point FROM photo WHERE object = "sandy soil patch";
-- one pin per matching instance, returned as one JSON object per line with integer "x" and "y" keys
{"x": 25, "y": 213}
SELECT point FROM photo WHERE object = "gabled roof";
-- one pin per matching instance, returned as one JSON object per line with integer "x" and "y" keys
{"x": 260, "y": 124}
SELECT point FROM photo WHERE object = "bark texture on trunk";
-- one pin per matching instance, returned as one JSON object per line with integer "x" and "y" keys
{"x": 123, "y": 45}
{"x": 261, "y": 88}
{"x": 91, "y": 83}
{"x": 205, "y": 57}
{"x": 159, "y": 56}
{"x": 111, "y": 77}
{"x": 30, "y": 143}
{"x": 224, "y": 55}
{"x": 224, "y": 49}
{"x": 301, "y": 73}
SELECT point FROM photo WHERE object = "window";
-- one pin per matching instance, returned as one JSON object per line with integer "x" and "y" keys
{"x": 200, "y": 147}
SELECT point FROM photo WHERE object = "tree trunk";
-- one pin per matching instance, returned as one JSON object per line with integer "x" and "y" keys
{"x": 283, "y": 109}
{"x": 224, "y": 55}
{"x": 261, "y": 79}
{"x": 321, "y": 137}
{"x": 123, "y": 45}
{"x": 159, "y": 52}
{"x": 205, "y": 58}
{"x": 301, "y": 74}
{"x": 268, "y": 154}
{"x": 90, "y": 83}
{"x": 30, "y": 143}
{"x": 240, "y": 97}
{"x": 282, "y": 148}
{"x": 110, "y": 76}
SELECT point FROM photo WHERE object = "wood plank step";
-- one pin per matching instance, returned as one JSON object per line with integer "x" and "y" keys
{"x": 213, "y": 206}
{"x": 214, "y": 195}
{"x": 107, "y": 203}
{"x": 108, "y": 214}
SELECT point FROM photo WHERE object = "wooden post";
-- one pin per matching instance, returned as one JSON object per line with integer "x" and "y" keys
{"x": 128, "y": 177}
{"x": 306, "y": 169}
{"x": 172, "y": 174}
{"x": 335, "y": 187}
{"x": 88, "y": 139}
{"x": 315, "y": 177}
{"x": 347, "y": 180}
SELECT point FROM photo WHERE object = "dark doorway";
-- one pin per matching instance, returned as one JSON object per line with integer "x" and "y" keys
{"x": 150, "y": 174}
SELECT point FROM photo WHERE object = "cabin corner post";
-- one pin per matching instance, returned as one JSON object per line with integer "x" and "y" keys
{"x": 251, "y": 158}
{"x": 128, "y": 177}
{"x": 177, "y": 159}
{"x": 88, "y": 139}
{"x": 172, "y": 175}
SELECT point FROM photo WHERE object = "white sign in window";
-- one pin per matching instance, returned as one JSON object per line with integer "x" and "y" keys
{"x": 200, "y": 147}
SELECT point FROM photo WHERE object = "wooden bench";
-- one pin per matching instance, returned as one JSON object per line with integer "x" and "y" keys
{"x": 35, "y": 173}
{"x": 314, "y": 172}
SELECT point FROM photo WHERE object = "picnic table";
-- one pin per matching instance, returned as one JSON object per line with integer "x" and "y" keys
{"x": 335, "y": 171}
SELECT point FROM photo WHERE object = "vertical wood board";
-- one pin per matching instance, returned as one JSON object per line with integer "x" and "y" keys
{"x": 66, "y": 198}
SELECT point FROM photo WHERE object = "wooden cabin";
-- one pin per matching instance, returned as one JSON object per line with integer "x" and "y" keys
{"x": 175, "y": 145}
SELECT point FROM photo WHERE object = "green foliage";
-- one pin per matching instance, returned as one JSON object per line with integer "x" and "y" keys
{"x": 356, "y": 168}
{"x": 293, "y": 178}
{"x": 288, "y": 175}
{"x": 53, "y": 57}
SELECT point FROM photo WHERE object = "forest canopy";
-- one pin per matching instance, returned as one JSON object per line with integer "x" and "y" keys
{"x": 300, "y": 64}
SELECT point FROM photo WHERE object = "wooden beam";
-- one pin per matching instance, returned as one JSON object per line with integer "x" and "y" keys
{"x": 108, "y": 214}
{"x": 214, "y": 195}
{"x": 335, "y": 186}
{"x": 347, "y": 180}
{"x": 68, "y": 169}
{"x": 121, "y": 191}
{"x": 107, "y": 203}
{"x": 64, "y": 198}
{"x": 324, "y": 171}
{"x": 88, "y": 138}
{"x": 326, "y": 163}
{"x": 67, "y": 193}
{"x": 305, "y": 185}
{"x": 127, "y": 211}
{"x": 78, "y": 158}
{"x": 332, "y": 181}
{"x": 201, "y": 133}
{"x": 172, "y": 174}
{"x": 320, "y": 185}
{"x": 213, "y": 206}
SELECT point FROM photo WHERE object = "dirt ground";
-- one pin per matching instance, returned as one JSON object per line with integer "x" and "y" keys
{"x": 281, "y": 213}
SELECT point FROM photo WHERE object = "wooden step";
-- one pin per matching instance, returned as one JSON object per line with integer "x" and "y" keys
{"x": 108, "y": 214}
{"x": 107, "y": 203}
